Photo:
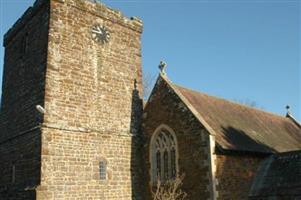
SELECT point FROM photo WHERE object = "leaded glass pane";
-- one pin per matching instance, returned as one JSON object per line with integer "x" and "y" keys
{"x": 166, "y": 170}
{"x": 173, "y": 163}
{"x": 103, "y": 170}
{"x": 158, "y": 160}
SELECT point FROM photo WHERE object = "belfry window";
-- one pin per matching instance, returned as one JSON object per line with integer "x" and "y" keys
{"x": 24, "y": 44}
{"x": 163, "y": 152}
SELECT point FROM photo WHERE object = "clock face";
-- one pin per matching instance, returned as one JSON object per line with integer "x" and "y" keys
{"x": 100, "y": 34}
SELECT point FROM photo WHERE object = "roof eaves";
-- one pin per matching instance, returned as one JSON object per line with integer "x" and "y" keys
{"x": 226, "y": 151}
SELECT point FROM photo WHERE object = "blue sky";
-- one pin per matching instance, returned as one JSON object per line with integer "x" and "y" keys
{"x": 236, "y": 49}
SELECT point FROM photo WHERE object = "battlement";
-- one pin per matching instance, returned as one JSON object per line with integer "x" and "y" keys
{"x": 20, "y": 23}
{"x": 102, "y": 10}
{"x": 95, "y": 7}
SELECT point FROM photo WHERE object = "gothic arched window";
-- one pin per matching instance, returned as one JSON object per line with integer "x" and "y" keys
{"x": 164, "y": 155}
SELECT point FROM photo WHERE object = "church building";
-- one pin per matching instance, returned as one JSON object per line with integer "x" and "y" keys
{"x": 219, "y": 145}
{"x": 73, "y": 125}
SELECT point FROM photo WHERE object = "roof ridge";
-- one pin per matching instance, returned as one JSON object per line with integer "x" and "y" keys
{"x": 292, "y": 118}
{"x": 233, "y": 102}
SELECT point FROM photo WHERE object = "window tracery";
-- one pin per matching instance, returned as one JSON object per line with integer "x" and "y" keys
{"x": 164, "y": 155}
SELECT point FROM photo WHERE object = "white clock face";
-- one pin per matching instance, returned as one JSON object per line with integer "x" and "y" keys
{"x": 100, "y": 34}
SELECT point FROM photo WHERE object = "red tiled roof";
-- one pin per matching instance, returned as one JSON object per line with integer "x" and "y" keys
{"x": 242, "y": 128}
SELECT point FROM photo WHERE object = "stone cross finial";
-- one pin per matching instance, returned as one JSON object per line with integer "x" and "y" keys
{"x": 288, "y": 109}
{"x": 162, "y": 67}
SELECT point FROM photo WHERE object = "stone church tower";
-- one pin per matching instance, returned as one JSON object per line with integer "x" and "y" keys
{"x": 71, "y": 104}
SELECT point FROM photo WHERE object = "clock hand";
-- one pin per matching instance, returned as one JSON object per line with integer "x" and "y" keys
{"x": 94, "y": 31}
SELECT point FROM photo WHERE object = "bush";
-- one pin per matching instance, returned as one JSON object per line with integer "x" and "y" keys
{"x": 170, "y": 190}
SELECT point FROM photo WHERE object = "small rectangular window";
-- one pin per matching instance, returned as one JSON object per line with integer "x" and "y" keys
{"x": 103, "y": 170}
{"x": 13, "y": 175}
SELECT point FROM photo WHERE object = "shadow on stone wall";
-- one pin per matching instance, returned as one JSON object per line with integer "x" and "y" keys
{"x": 137, "y": 162}
{"x": 24, "y": 153}
{"x": 241, "y": 141}
{"x": 237, "y": 168}
{"x": 18, "y": 195}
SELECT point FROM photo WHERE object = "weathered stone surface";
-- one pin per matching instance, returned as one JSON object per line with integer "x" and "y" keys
{"x": 92, "y": 96}
{"x": 211, "y": 173}
{"x": 165, "y": 107}
{"x": 91, "y": 93}
{"x": 24, "y": 153}
{"x": 93, "y": 84}
{"x": 235, "y": 174}
{"x": 23, "y": 89}
{"x": 70, "y": 165}
{"x": 24, "y": 74}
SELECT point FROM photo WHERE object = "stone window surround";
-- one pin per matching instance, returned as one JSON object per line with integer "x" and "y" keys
{"x": 153, "y": 152}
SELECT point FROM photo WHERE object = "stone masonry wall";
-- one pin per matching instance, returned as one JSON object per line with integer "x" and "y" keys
{"x": 23, "y": 88}
{"x": 165, "y": 107}
{"x": 70, "y": 166}
{"x": 88, "y": 84}
{"x": 24, "y": 72}
{"x": 234, "y": 174}
{"x": 22, "y": 152}
{"x": 93, "y": 105}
